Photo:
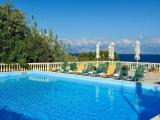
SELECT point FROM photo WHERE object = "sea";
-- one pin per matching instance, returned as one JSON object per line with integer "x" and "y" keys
{"x": 153, "y": 58}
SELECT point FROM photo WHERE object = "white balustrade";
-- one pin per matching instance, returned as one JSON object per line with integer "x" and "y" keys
{"x": 57, "y": 65}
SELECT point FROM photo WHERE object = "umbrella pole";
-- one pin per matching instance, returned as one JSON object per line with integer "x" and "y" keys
{"x": 97, "y": 62}
{"x": 137, "y": 63}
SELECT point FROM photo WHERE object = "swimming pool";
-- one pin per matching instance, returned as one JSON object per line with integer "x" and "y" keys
{"x": 56, "y": 96}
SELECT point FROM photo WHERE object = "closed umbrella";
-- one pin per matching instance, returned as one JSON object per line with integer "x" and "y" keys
{"x": 97, "y": 53}
{"x": 111, "y": 50}
{"x": 137, "y": 51}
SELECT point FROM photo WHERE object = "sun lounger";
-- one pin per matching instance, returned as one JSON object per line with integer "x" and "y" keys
{"x": 80, "y": 68}
{"x": 123, "y": 73}
{"x": 73, "y": 67}
{"x": 88, "y": 69}
{"x": 100, "y": 70}
{"x": 64, "y": 67}
{"x": 139, "y": 74}
{"x": 110, "y": 71}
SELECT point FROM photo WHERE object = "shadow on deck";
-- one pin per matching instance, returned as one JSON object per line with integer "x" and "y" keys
{"x": 157, "y": 83}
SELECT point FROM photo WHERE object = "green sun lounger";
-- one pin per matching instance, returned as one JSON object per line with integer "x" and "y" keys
{"x": 89, "y": 68}
{"x": 64, "y": 67}
{"x": 139, "y": 73}
{"x": 102, "y": 68}
{"x": 123, "y": 73}
{"x": 73, "y": 67}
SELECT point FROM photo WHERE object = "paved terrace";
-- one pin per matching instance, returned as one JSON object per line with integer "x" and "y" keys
{"x": 150, "y": 77}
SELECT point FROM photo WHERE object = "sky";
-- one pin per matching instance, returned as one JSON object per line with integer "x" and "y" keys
{"x": 84, "y": 23}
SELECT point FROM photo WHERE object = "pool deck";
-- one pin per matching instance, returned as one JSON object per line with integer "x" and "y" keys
{"x": 156, "y": 117}
{"x": 150, "y": 77}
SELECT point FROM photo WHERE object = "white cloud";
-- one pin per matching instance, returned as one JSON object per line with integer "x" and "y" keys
{"x": 141, "y": 36}
{"x": 125, "y": 45}
{"x": 155, "y": 40}
{"x": 86, "y": 42}
{"x": 126, "y": 41}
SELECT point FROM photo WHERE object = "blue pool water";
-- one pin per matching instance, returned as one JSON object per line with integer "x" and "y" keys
{"x": 51, "y": 96}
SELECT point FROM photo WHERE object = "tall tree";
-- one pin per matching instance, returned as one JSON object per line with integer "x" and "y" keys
{"x": 14, "y": 34}
{"x": 21, "y": 42}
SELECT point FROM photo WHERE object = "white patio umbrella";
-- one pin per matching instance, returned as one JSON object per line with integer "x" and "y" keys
{"x": 97, "y": 53}
{"x": 111, "y": 50}
{"x": 137, "y": 51}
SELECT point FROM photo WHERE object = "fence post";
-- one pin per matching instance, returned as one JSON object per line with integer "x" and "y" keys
{"x": 48, "y": 67}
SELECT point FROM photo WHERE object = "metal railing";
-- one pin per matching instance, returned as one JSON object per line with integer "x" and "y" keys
{"x": 57, "y": 65}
